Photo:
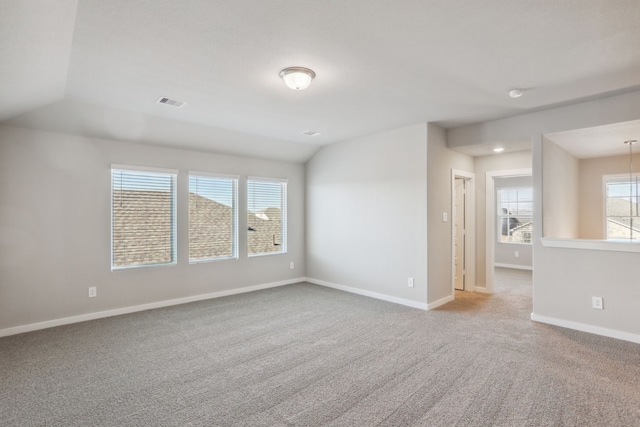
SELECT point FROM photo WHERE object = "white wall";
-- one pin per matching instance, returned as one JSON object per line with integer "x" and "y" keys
{"x": 440, "y": 162}
{"x": 482, "y": 165}
{"x": 560, "y": 185}
{"x": 366, "y": 214}
{"x": 505, "y": 252}
{"x": 55, "y": 228}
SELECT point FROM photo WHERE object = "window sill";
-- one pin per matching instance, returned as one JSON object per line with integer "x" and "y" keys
{"x": 595, "y": 245}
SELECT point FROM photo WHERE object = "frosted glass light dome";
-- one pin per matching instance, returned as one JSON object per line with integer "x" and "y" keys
{"x": 297, "y": 78}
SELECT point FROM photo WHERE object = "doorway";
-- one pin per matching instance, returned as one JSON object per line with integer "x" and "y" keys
{"x": 462, "y": 231}
{"x": 491, "y": 222}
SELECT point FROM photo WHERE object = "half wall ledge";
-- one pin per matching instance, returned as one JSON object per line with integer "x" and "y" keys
{"x": 596, "y": 245}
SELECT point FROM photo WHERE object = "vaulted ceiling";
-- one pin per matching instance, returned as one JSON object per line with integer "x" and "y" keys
{"x": 97, "y": 67}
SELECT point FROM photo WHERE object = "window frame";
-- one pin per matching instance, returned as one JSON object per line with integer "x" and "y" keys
{"x": 500, "y": 217}
{"x": 173, "y": 176}
{"x": 235, "y": 215}
{"x": 283, "y": 213}
{"x": 605, "y": 216}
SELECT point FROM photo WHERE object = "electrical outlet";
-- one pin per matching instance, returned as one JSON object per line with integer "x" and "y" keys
{"x": 410, "y": 282}
{"x": 596, "y": 302}
{"x": 445, "y": 217}
{"x": 517, "y": 254}
{"x": 93, "y": 292}
{"x": 291, "y": 265}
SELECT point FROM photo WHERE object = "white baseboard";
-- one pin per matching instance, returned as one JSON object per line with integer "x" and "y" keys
{"x": 483, "y": 290}
{"x": 371, "y": 294}
{"x": 132, "y": 309}
{"x": 517, "y": 267}
{"x": 611, "y": 333}
{"x": 440, "y": 302}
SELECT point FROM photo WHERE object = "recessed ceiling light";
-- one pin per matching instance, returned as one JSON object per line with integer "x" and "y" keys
{"x": 498, "y": 150}
{"x": 297, "y": 78}
{"x": 311, "y": 133}
{"x": 516, "y": 93}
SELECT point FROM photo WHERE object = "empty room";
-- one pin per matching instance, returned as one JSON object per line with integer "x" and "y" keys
{"x": 319, "y": 213}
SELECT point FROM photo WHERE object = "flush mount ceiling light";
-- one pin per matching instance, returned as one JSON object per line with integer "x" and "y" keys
{"x": 516, "y": 93}
{"x": 297, "y": 78}
{"x": 498, "y": 150}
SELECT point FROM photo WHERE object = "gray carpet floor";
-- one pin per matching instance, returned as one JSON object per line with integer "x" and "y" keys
{"x": 304, "y": 355}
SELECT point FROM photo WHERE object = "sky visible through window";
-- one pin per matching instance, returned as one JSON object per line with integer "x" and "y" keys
{"x": 217, "y": 189}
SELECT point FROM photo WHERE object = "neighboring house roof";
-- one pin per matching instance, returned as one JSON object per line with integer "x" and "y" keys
{"x": 142, "y": 219}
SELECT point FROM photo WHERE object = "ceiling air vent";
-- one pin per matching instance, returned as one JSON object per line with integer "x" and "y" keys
{"x": 172, "y": 102}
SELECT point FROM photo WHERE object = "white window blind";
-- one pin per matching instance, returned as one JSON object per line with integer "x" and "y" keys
{"x": 622, "y": 207}
{"x": 266, "y": 216}
{"x": 213, "y": 217}
{"x": 515, "y": 215}
{"x": 143, "y": 218}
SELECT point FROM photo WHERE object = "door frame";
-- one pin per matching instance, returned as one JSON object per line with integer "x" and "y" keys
{"x": 490, "y": 221}
{"x": 470, "y": 226}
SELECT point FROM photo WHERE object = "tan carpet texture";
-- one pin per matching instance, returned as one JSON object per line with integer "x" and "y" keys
{"x": 304, "y": 355}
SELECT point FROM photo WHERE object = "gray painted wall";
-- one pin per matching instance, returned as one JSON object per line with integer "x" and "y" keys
{"x": 366, "y": 213}
{"x": 564, "y": 280}
{"x": 484, "y": 164}
{"x": 505, "y": 252}
{"x": 55, "y": 220}
{"x": 440, "y": 161}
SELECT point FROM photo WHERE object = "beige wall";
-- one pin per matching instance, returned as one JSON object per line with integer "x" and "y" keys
{"x": 366, "y": 214}
{"x": 560, "y": 184}
{"x": 440, "y": 162}
{"x": 55, "y": 227}
{"x": 591, "y": 191}
{"x": 484, "y": 164}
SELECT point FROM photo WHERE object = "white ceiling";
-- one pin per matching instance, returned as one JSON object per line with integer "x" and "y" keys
{"x": 379, "y": 64}
{"x": 600, "y": 141}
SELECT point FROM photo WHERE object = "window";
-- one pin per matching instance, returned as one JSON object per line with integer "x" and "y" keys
{"x": 515, "y": 215}
{"x": 266, "y": 216}
{"x": 621, "y": 206}
{"x": 213, "y": 217}
{"x": 143, "y": 217}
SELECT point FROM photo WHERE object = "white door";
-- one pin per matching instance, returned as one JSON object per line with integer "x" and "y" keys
{"x": 459, "y": 240}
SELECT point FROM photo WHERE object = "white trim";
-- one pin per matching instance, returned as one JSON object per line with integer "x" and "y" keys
{"x": 144, "y": 169}
{"x": 605, "y": 196}
{"x": 375, "y": 295}
{"x": 595, "y": 245}
{"x": 440, "y": 302}
{"x": 482, "y": 290}
{"x": 605, "y": 332}
{"x": 267, "y": 179}
{"x": 214, "y": 175}
{"x": 517, "y": 267}
{"x": 470, "y": 228}
{"x": 490, "y": 220}
{"x": 235, "y": 243}
{"x": 135, "y": 308}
